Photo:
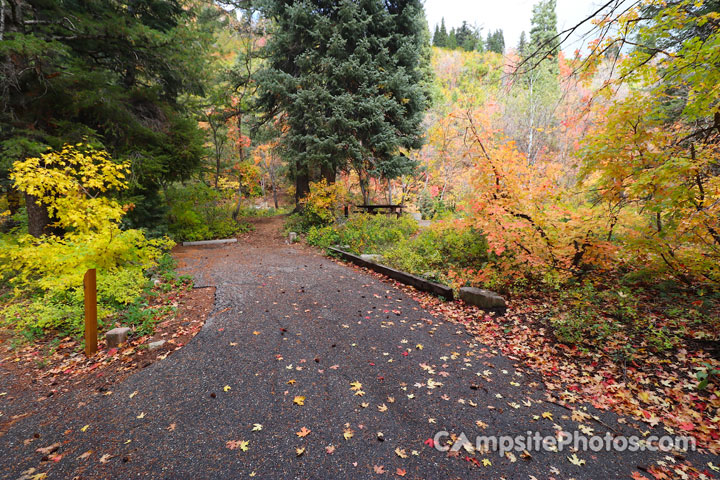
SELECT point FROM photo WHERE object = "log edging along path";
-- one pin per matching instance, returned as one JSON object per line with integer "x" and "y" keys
{"x": 403, "y": 277}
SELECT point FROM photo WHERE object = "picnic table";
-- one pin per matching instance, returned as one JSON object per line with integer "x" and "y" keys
{"x": 374, "y": 209}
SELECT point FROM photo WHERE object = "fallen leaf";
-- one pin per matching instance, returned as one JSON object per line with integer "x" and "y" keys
{"x": 85, "y": 455}
{"x": 304, "y": 432}
{"x": 400, "y": 452}
{"x": 226, "y": 388}
{"x": 299, "y": 451}
{"x": 575, "y": 460}
{"x": 49, "y": 449}
{"x": 379, "y": 469}
{"x": 257, "y": 427}
{"x": 299, "y": 400}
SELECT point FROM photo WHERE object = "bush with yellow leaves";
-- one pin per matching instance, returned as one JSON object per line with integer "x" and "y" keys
{"x": 46, "y": 273}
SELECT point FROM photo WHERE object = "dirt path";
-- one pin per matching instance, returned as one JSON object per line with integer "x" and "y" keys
{"x": 309, "y": 369}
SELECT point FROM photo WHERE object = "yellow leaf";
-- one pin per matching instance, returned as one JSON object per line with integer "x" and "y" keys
{"x": 299, "y": 400}
{"x": 84, "y": 429}
{"x": 226, "y": 388}
{"x": 547, "y": 415}
{"x": 575, "y": 460}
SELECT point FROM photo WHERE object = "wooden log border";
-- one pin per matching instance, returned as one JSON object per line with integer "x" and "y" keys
{"x": 402, "y": 277}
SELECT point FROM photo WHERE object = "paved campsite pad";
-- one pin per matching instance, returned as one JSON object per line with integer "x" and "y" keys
{"x": 290, "y": 323}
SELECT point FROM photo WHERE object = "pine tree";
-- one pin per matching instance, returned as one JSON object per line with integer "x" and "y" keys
{"x": 108, "y": 72}
{"x": 544, "y": 28}
{"x": 440, "y": 37}
{"x": 348, "y": 80}
{"x": 452, "y": 43}
{"x": 466, "y": 37}
{"x": 522, "y": 45}
{"x": 496, "y": 41}
{"x": 443, "y": 34}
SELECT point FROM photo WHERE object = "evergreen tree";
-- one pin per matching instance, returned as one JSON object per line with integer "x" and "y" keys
{"x": 496, "y": 41}
{"x": 109, "y": 71}
{"x": 440, "y": 38}
{"x": 347, "y": 78}
{"x": 452, "y": 43}
{"x": 544, "y": 28}
{"x": 522, "y": 45}
{"x": 466, "y": 37}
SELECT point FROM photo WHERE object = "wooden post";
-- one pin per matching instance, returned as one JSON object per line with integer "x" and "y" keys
{"x": 90, "y": 284}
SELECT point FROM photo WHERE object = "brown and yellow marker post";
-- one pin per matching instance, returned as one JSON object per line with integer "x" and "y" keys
{"x": 90, "y": 284}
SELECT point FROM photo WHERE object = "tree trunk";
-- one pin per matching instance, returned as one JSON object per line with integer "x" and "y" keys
{"x": 302, "y": 187}
{"x": 14, "y": 200}
{"x": 236, "y": 212}
{"x": 364, "y": 188}
{"x": 275, "y": 196}
{"x": 38, "y": 218}
{"x": 328, "y": 173}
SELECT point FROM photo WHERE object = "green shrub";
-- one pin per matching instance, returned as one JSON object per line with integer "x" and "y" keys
{"x": 323, "y": 237}
{"x": 608, "y": 319}
{"x": 199, "y": 212}
{"x": 438, "y": 250}
{"x": 364, "y": 233}
{"x": 434, "y": 207}
{"x": 321, "y": 207}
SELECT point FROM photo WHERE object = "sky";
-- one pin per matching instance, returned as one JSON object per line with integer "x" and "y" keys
{"x": 512, "y": 16}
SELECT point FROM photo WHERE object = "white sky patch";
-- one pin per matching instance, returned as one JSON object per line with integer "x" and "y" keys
{"x": 512, "y": 16}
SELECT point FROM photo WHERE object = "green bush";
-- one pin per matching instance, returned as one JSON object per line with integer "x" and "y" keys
{"x": 436, "y": 251}
{"x": 364, "y": 233}
{"x": 434, "y": 207}
{"x": 608, "y": 319}
{"x": 320, "y": 207}
{"x": 199, "y": 212}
